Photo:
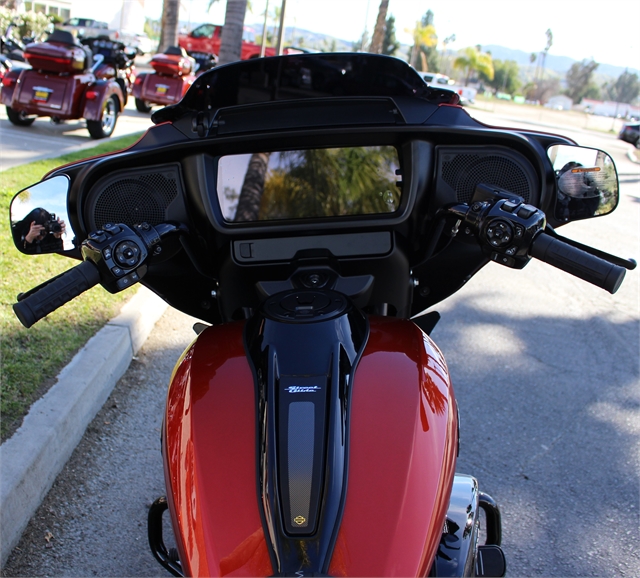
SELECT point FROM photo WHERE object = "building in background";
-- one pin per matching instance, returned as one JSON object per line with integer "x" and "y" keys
{"x": 123, "y": 15}
{"x": 60, "y": 8}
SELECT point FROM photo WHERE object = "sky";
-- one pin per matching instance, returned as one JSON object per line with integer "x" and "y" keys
{"x": 606, "y": 31}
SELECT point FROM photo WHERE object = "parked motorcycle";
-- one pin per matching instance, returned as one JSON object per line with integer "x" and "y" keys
{"x": 174, "y": 72}
{"x": 311, "y": 210}
{"x": 117, "y": 62}
{"x": 62, "y": 85}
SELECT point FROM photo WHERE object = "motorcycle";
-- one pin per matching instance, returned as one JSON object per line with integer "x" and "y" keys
{"x": 117, "y": 62}
{"x": 174, "y": 72}
{"x": 311, "y": 210}
{"x": 62, "y": 85}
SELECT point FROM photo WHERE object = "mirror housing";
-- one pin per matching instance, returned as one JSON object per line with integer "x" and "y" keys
{"x": 39, "y": 218}
{"x": 586, "y": 180}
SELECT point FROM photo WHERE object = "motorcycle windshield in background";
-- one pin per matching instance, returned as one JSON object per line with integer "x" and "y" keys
{"x": 305, "y": 76}
{"x": 308, "y": 184}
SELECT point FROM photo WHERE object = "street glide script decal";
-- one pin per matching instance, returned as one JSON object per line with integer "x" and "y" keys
{"x": 302, "y": 388}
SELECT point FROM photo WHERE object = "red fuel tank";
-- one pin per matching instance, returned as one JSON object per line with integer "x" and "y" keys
{"x": 402, "y": 453}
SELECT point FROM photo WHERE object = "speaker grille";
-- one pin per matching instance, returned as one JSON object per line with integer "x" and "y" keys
{"x": 461, "y": 169}
{"x": 133, "y": 197}
{"x": 467, "y": 171}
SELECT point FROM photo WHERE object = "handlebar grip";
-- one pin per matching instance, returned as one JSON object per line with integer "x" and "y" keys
{"x": 577, "y": 262}
{"x": 55, "y": 294}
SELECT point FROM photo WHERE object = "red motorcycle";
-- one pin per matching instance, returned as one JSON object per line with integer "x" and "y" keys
{"x": 114, "y": 60}
{"x": 311, "y": 210}
{"x": 174, "y": 72}
{"x": 62, "y": 85}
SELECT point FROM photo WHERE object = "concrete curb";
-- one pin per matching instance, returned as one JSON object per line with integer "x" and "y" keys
{"x": 33, "y": 457}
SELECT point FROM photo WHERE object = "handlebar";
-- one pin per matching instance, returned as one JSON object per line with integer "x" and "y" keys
{"x": 511, "y": 232}
{"x": 61, "y": 290}
{"x": 115, "y": 256}
{"x": 577, "y": 262}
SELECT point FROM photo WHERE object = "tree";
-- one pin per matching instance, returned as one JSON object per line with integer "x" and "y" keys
{"x": 169, "y": 28}
{"x": 506, "y": 77}
{"x": 473, "y": 60}
{"x": 542, "y": 90}
{"x": 580, "y": 82}
{"x": 425, "y": 40}
{"x": 252, "y": 188}
{"x": 379, "y": 30}
{"x": 231, "y": 39}
{"x": 390, "y": 44}
{"x": 331, "y": 182}
{"x": 426, "y": 49}
{"x": 625, "y": 89}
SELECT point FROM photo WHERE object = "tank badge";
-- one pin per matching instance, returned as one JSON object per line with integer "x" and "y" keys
{"x": 302, "y": 388}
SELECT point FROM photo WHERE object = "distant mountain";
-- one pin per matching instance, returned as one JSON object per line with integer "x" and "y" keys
{"x": 560, "y": 64}
{"x": 324, "y": 42}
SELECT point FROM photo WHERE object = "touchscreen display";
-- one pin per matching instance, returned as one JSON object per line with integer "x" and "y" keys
{"x": 309, "y": 184}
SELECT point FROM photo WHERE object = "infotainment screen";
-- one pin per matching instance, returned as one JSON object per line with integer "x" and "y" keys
{"x": 309, "y": 184}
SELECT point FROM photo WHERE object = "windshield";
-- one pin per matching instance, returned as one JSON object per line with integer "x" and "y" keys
{"x": 304, "y": 76}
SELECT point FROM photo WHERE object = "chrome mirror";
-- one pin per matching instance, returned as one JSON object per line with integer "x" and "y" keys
{"x": 39, "y": 219}
{"x": 587, "y": 182}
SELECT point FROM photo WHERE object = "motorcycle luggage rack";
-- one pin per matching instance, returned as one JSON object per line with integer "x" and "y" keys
{"x": 167, "y": 558}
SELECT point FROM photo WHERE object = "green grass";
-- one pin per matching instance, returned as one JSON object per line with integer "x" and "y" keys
{"x": 31, "y": 358}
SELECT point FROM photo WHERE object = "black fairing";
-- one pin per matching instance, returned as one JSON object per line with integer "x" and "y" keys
{"x": 303, "y": 346}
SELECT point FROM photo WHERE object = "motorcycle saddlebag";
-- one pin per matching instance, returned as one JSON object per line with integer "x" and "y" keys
{"x": 53, "y": 57}
{"x": 171, "y": 64}
{"x": 163, "y": 89}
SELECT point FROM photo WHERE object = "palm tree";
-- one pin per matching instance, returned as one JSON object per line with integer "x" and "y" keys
{"x": 423, "y": 35}
{"x": 231, "y": 40}
{"x": 169, "y": 28}
{"x": 250, "y": 197}
{"x": 472, "y": 60}
{"x": 378, "y": 31}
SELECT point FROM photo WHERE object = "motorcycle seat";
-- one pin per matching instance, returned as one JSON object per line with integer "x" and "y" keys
{"x": 65, "y": 37}
{"x": 176, "y": 51}
{"x": 62, "y": 37}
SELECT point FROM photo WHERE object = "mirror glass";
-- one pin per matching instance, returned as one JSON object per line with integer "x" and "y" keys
{"x": 39, "y": 219}
{"x": 587, "y": 182}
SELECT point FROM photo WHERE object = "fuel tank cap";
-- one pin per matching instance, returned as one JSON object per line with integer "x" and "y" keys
{"x": 303, "y": 305}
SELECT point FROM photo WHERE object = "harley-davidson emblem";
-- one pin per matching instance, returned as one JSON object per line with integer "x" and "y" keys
{"x": 299, "y": 520}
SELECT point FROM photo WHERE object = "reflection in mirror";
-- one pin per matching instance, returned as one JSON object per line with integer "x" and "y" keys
{"x": 39, "y": 219}
{"x": 587, "y": 182}
{"x": 309, "y": 184}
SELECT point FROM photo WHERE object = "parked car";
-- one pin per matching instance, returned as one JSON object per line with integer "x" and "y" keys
{"x": 140, "y": 42}
{"x": 206, "y": 39}
{"x": 631, "y": 133}
{"x": 87, "y": 27}
{"x": 466, "y": 93}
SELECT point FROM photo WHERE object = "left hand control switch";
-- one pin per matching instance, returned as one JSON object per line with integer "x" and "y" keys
{"x": 119, "y": 253}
